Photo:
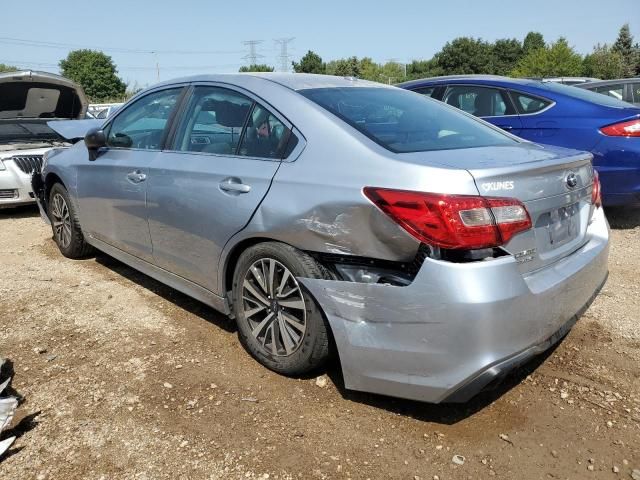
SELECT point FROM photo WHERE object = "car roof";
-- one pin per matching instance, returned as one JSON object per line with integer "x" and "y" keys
{"x": 609, "y": 82}
{"x": 458, "y": 78}
{"x": 292, "y": 81}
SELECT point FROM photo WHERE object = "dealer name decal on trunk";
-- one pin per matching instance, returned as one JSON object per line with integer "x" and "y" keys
{"x": 493, "y": 186}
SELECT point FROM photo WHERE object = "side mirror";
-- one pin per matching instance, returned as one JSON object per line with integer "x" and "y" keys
{"x": 94, "y": 140}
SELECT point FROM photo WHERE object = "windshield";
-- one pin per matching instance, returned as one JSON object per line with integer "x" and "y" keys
{"x": 403, "y": 121}
{"x": 582, "y": 94}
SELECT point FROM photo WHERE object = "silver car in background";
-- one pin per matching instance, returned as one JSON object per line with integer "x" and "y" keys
{"x": 28, "y": 100}
{"x": 435, "y": 251}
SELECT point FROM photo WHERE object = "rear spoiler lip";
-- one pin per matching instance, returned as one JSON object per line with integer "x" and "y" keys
{"x": 74, "y": 130}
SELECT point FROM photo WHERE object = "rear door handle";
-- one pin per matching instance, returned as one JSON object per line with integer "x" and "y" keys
{"x": 136, "y": 176}
{"x": 506, "y": 127}
{"x": 234, "y": 185}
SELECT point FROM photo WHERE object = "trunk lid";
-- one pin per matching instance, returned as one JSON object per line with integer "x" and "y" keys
{"x": 555, "y": 186}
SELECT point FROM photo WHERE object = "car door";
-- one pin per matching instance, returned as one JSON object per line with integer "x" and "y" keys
{"x": 112, "y": 189}
{"x": 227, "y": 149}
{"x": 489, "y": 103}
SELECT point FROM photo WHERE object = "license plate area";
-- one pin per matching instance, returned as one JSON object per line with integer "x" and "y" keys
{"x": 559, "y": 226}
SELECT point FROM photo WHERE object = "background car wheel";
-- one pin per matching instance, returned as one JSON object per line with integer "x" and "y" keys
{"x": 279, "y": 323}
{"x": 65, "y": 225}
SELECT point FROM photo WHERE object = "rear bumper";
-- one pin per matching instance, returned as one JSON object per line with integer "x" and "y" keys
{"x": 458, "y": 326}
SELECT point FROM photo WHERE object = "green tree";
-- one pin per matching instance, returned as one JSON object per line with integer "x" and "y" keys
{"x": 624, "y": 46}
{"x": 256, "y": 67}
{"x": 533, "y": 41}
{"x": 370, "y": 70}
{"x": 310, "y": 63}
{"x": 505, "y": 54}
{"x": 423, "y": 69}
{"x": 392, "y": 72}
{"x": 344, "y": 67}
{"x": 466, "y": 56}
{"x": 604, "y": 63}
{"x": 7, "y": 68}
{"x": 95, "y": 72}
{"x": 557, "y": 60}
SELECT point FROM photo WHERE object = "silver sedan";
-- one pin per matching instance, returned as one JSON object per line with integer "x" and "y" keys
{"x": 433, "y": 250}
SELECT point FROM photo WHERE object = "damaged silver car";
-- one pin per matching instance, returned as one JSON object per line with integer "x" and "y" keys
{"x": 28, "y": 100}
{"x": 433, "y": 250}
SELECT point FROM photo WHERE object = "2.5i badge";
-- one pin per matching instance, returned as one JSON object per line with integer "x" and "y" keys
{"x": 525, "y": 255}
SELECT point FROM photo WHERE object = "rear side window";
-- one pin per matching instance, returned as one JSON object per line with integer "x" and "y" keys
{"x": 403, "y": 122}
{"x": 614, "y": 90}
{"x": 479, "y": 101}
{"x": 428, "y": 91}
{"x": 214, "y": 121}
{"x": 528, "y": 104}
{"x": 265, "y": 136}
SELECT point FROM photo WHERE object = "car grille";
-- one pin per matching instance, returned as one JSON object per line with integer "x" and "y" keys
{"x": 28, "y": 164}
{"x": 8, "y": 194}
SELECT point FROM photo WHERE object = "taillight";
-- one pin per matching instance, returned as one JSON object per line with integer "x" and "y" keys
{"x": 623, "y": 129}
{"x": 596, "y": 194}
{"x": 453, "y": 221}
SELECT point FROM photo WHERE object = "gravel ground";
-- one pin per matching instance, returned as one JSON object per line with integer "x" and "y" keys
{"x": 124, "y": 378}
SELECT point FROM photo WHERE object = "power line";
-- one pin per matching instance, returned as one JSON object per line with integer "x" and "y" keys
{"x": 131, "y": 67}
{"x": 284, "y": 53}
{"x": 42, "y": 44}
{"x": 253, "y": 55}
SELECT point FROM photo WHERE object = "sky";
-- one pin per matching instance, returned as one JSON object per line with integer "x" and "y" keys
{"x": 159, "y": 40}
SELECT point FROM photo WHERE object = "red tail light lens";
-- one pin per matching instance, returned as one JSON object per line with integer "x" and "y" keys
{"x": 596, "y": 196}
{"x": 623, "y": 129}
{"x": 453, "y": 221}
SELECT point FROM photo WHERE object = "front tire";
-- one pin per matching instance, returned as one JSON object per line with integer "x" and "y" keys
{"x": 279, "y": 323}
{"x": 67, "y": 232}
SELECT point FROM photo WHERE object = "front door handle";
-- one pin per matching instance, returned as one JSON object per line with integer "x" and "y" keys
{"x": 234, "y": 185}
{"x": 136, "y": 176}
{"x": 506, "y": 127}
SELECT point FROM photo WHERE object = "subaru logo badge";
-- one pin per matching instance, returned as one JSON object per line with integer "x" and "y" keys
{"x": 572, "y": 180}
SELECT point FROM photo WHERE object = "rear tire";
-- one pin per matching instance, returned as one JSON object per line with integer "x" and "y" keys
{"x": 67, "y": 232}
{"x": 279, "y": 323}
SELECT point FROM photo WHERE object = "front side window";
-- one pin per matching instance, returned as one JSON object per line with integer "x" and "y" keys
{"x": 265, "y": 137}
{"x": 402, "y": 122}
{"x": 142, "y": 124}
{"x": 478, "y": 101}
{"x": 214, "y": 121}
{"x": 528, "y": 104}
{"x": 615, "y": 91}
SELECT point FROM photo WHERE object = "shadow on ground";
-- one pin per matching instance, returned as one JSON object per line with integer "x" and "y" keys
{"x": 623, "y": 218}
{"x": 28, "y": 211}
{"x": 444, "y": 413}
{"x": 170, "y": 294}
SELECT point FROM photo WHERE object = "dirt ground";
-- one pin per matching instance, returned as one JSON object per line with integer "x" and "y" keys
{"x": 124, "y": 378}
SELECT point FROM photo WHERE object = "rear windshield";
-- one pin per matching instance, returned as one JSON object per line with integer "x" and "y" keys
{"x": 403, "y": 121}
{"x": 583, "y": 94}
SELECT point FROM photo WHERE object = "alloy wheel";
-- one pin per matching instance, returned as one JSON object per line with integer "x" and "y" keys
{"x": 61, "y": 220}
{"x": 274, "y": 307}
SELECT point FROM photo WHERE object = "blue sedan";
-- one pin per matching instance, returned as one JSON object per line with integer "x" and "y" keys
{"x": 554, "y": 114}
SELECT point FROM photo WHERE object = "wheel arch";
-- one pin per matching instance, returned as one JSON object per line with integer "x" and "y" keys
{"x": 231, "y": 260}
